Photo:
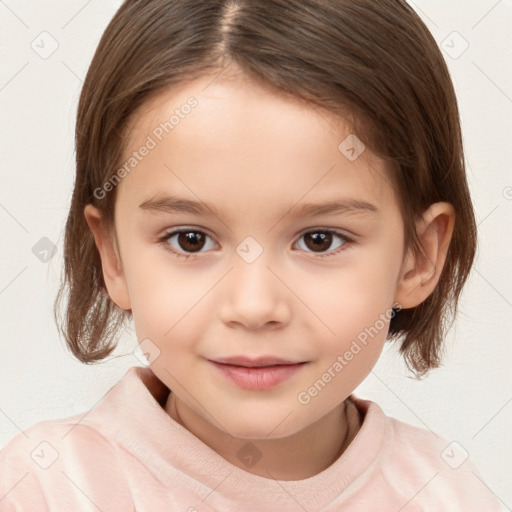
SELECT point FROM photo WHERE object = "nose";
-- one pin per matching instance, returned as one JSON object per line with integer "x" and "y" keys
{"x": 254, "y": 297}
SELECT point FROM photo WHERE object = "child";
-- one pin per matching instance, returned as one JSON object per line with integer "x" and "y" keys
{"x": 271, "y": 190}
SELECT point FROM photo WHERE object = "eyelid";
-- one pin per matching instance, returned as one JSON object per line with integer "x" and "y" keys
{"x": 181, "y": 229}
{"x": 324, "y": 229}
{"x": 347, "y": 240}
{"x": 336, "y": 231}
{"x": 169, "y": 233}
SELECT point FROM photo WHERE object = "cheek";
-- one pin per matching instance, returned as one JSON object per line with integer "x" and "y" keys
{"x": 359, "y": 323}
{"x": 351, "y": 313}
{"x": 165, "y": 299}
{"x": 346, "y": 300}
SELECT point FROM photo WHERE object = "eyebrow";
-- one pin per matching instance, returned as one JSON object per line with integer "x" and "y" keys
{"x": 174, "y": 204}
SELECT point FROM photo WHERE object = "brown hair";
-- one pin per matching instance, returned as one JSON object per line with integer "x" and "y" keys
{"x": 374, "y": 60}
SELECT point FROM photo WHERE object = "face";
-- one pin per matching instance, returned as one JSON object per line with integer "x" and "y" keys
{"x": 226, "y": 251}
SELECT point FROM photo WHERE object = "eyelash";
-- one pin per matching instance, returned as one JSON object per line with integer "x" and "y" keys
{"x": 165, "y": 239}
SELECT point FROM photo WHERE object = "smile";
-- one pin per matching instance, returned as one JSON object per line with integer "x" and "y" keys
{"x": 257, "y": 377}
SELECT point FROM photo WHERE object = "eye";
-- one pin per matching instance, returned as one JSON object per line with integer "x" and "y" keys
{"x": 189, "y": 241}
{"x": 320, "y": 240}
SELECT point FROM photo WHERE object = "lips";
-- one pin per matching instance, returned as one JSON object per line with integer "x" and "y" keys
{"x": 256, "y": 374}
{"x": 254, "y": 362}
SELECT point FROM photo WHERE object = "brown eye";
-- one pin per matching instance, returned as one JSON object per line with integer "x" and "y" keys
{"x": 187, "y": 242}
{"x": 322, "y": 241}
{"x": 318, "y": 241}
{"x": 191, "y": 241}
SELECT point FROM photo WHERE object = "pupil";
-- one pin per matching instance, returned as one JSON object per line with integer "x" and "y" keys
{"x": 321, "y": 240}
{"x": 191, "y": 241}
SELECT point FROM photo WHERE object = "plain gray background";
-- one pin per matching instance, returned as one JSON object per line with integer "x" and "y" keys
{"x": 46, "y": 48}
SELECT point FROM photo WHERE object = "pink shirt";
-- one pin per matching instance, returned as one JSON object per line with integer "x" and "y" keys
{"x": 128, "y": 454}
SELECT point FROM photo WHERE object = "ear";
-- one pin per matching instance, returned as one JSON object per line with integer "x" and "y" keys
{"x": 106, "y": 243}
{"x": 420, "y": 273}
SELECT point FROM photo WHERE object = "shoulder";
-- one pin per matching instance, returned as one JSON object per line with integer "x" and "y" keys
{"x": 48, "y": 441}
{"x": 433, "y": 472}
{"x": 55, "y": 458}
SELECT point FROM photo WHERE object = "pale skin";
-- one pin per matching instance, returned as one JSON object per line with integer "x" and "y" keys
{"x": 257, "y": 157}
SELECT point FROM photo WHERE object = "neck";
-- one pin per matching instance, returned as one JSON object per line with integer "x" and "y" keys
{"x": 296, "y": 457}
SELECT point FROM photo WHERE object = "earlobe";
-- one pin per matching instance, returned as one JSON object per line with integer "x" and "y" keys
{"x": 113, "y": 273}
{"x": 421, "y": 270}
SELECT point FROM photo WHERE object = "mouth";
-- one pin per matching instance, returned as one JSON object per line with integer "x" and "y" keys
{"x": 258, "y": 374}
{"x": 258, "y": 362}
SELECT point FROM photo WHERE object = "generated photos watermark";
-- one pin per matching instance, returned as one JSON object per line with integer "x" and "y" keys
{"x": 367, "y": 334}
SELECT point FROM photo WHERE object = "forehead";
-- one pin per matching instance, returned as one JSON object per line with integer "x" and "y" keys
{"x": 232, "y": 104}
{"x": 213, "y": 136}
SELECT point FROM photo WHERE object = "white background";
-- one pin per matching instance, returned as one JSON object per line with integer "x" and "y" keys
{"x": 469, "y": 400}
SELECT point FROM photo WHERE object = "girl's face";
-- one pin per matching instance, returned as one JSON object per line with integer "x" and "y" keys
{"x": 291, "y": 248}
